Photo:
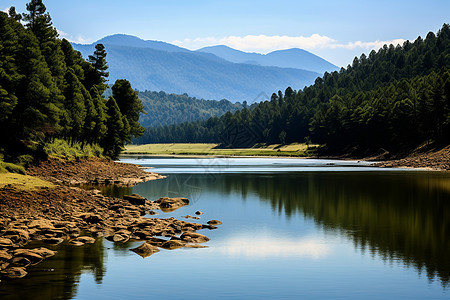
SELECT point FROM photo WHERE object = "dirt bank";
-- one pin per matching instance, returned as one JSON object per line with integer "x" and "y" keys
{"x": 433, "y": 159}
{"x": 91, "y": 171}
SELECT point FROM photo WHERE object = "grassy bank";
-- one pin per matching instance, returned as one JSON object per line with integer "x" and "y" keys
{"x": 23, "y": 182}
{"x": 292, "y": 150}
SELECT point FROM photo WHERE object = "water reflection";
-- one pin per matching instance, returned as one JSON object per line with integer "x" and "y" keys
{"x": 400, "y": 216}
{"x": 58, "y": 277}
{"x": 266, "y": 246}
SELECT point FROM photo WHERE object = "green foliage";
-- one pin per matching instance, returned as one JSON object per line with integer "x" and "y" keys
{"x": 130, "y": 106}
{"x": 62, "y": 148}
{"x": 167, "y": 109}
{"x": 396, "y": 98}
{"x": 117, "y": 125}
{"x": 48, "y": 92}
{"x": 11, "y": 168}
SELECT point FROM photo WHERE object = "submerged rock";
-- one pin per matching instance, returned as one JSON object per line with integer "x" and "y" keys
{"x": 172, "y": 244}
{"x": 14, "y": 272}
{"x": 145, "y": 250}
{"x": 198, "y": 213}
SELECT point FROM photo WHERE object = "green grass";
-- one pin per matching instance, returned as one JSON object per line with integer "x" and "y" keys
{"x": 23, "y": 182}
{"x": 62, "y": 148}
{"x": 294, "y": 150}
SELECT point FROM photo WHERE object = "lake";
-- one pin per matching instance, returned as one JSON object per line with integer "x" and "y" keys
{"x": 292, "y": 229}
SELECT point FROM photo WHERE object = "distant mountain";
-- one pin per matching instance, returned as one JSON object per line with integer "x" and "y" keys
{"x": 152, "y": 65}
{"x": 290, "y": 58}
{"x": 132, "y": 41}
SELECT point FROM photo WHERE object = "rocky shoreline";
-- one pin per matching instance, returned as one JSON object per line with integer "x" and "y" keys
{"x": 438, "y": 160}
{"x": 75, "y": 216}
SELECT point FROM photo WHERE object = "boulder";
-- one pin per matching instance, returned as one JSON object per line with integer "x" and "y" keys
{"x": 214, "y": 222}
{"x": 14, "y": 272}
{"x": 145, "y": 250}
{"x": 135, "y": 199}
{"x": 20, "y": 261}
{"x": 194, "y": 237}
{"x": 44, "y": 252}
{"x": 6, "y": 243}
{"x": 29, "y": 254}
{"x": 167, "y": 204}
{"x": 84, "y": 239}
{"x": 53, "y": 241}
{"x": 172, "y": 244}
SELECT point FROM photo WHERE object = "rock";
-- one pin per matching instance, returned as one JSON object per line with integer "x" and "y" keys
{"x": 214, "y": 222}
{"x": 84, "y": 239}
{"x": 191, "y": 217}
{"x": 170, "y": 204}
{"x": 5, "y": 256}
{"x": 16, "y": 235}
{"x": 14, "y": 272}
{"x": 41, "y": 224}
{"x": 6, "y": 243}
{"x": 120, "y": 238}
{"x": 152, "y": 213}
{"x": 172, "y": 244}
{"x": 193, "y": 237}
{"x": 44, "y": 252}
{"x": 145, "y": 250}
{"x": 94, "y": 219}
{"x": 29, "y": 254}
{"x": 54, "y": 241}
{"x": 76, "y": 243}
{"x": 135, "y": 199}
{"x": 198, "y": 213}
{"x": 20, "y": 261}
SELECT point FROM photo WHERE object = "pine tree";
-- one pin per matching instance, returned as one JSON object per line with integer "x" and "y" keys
{"x": 114, "y": 140}
{"x": 98, "y": 76}
{"x": 130, "y": 106}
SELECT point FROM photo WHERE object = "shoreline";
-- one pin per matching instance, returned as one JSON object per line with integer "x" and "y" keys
{"x": 57, "y": 213}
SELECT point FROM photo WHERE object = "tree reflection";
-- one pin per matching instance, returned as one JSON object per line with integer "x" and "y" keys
{"x": 58, "y": 276}
{"x": 396, "y": 215}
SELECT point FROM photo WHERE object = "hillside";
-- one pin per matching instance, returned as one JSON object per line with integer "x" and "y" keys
{"x": 166, "y": 109}
{"x": 290, "y": 58}
{"x": 390, "y": 102}
{"x": 201, "y": 75}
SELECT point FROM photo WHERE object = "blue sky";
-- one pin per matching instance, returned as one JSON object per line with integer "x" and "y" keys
{"x": 335, "y": 30}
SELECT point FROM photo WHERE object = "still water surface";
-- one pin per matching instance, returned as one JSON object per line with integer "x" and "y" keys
{"x": 292, "y": 229}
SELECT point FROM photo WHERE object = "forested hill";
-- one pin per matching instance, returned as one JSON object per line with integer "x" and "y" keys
{"x": 394, "y": 98}
{"x": 49, "y": 92}
{"x": 166, "y": 109}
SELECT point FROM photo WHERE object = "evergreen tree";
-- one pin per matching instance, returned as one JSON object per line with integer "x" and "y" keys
{"x": 114, "y": 140}
{"x": 130, "y": 106}
{"x": 97, "y": 76}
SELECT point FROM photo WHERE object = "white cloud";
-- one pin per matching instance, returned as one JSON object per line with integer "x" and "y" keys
{"x": 264, "y": 44}
{"x": 263, "y": 247}
{"x": 6, "y": 10}
{"x": 79, "y": 39}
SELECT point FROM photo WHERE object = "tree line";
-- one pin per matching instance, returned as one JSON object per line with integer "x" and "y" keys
{"x": 48, "y": 91}
{"x": 395, "y": 98}
{"x": 165, "y": 109}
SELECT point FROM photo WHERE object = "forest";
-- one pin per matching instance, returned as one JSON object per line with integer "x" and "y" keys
{"x": 165, "y": 109}
{"x": 395, "y": 98}
{"x": 49, "y": 94}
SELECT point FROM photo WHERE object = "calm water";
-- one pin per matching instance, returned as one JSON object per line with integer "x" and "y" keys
{"x": 292, "y": 229}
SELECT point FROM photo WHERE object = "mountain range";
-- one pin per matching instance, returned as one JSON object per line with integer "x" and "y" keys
{"x": 216, "y": 72}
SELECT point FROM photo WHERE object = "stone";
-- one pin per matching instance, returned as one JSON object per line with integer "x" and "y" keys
{"x": 198, "y": 213}
{"x": 85, "y": 239}
{"x": 5, "y": 256}
{"x": 194, "y": 237}
{"x": 14, "y": 272}
{"x": 29, "y": 254}
{"x": 54, "y": 241}
{"x": 44, "y": 252}
{"x": 20, "y": 261}
{"x": 145, "y": 250}
{"x": 167, "y": 204}
{"x": 135, "y": 199}
{"x": 214, "y": 222}
{"x": 6, "y": 243}
{"x": 172, "y": 244}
